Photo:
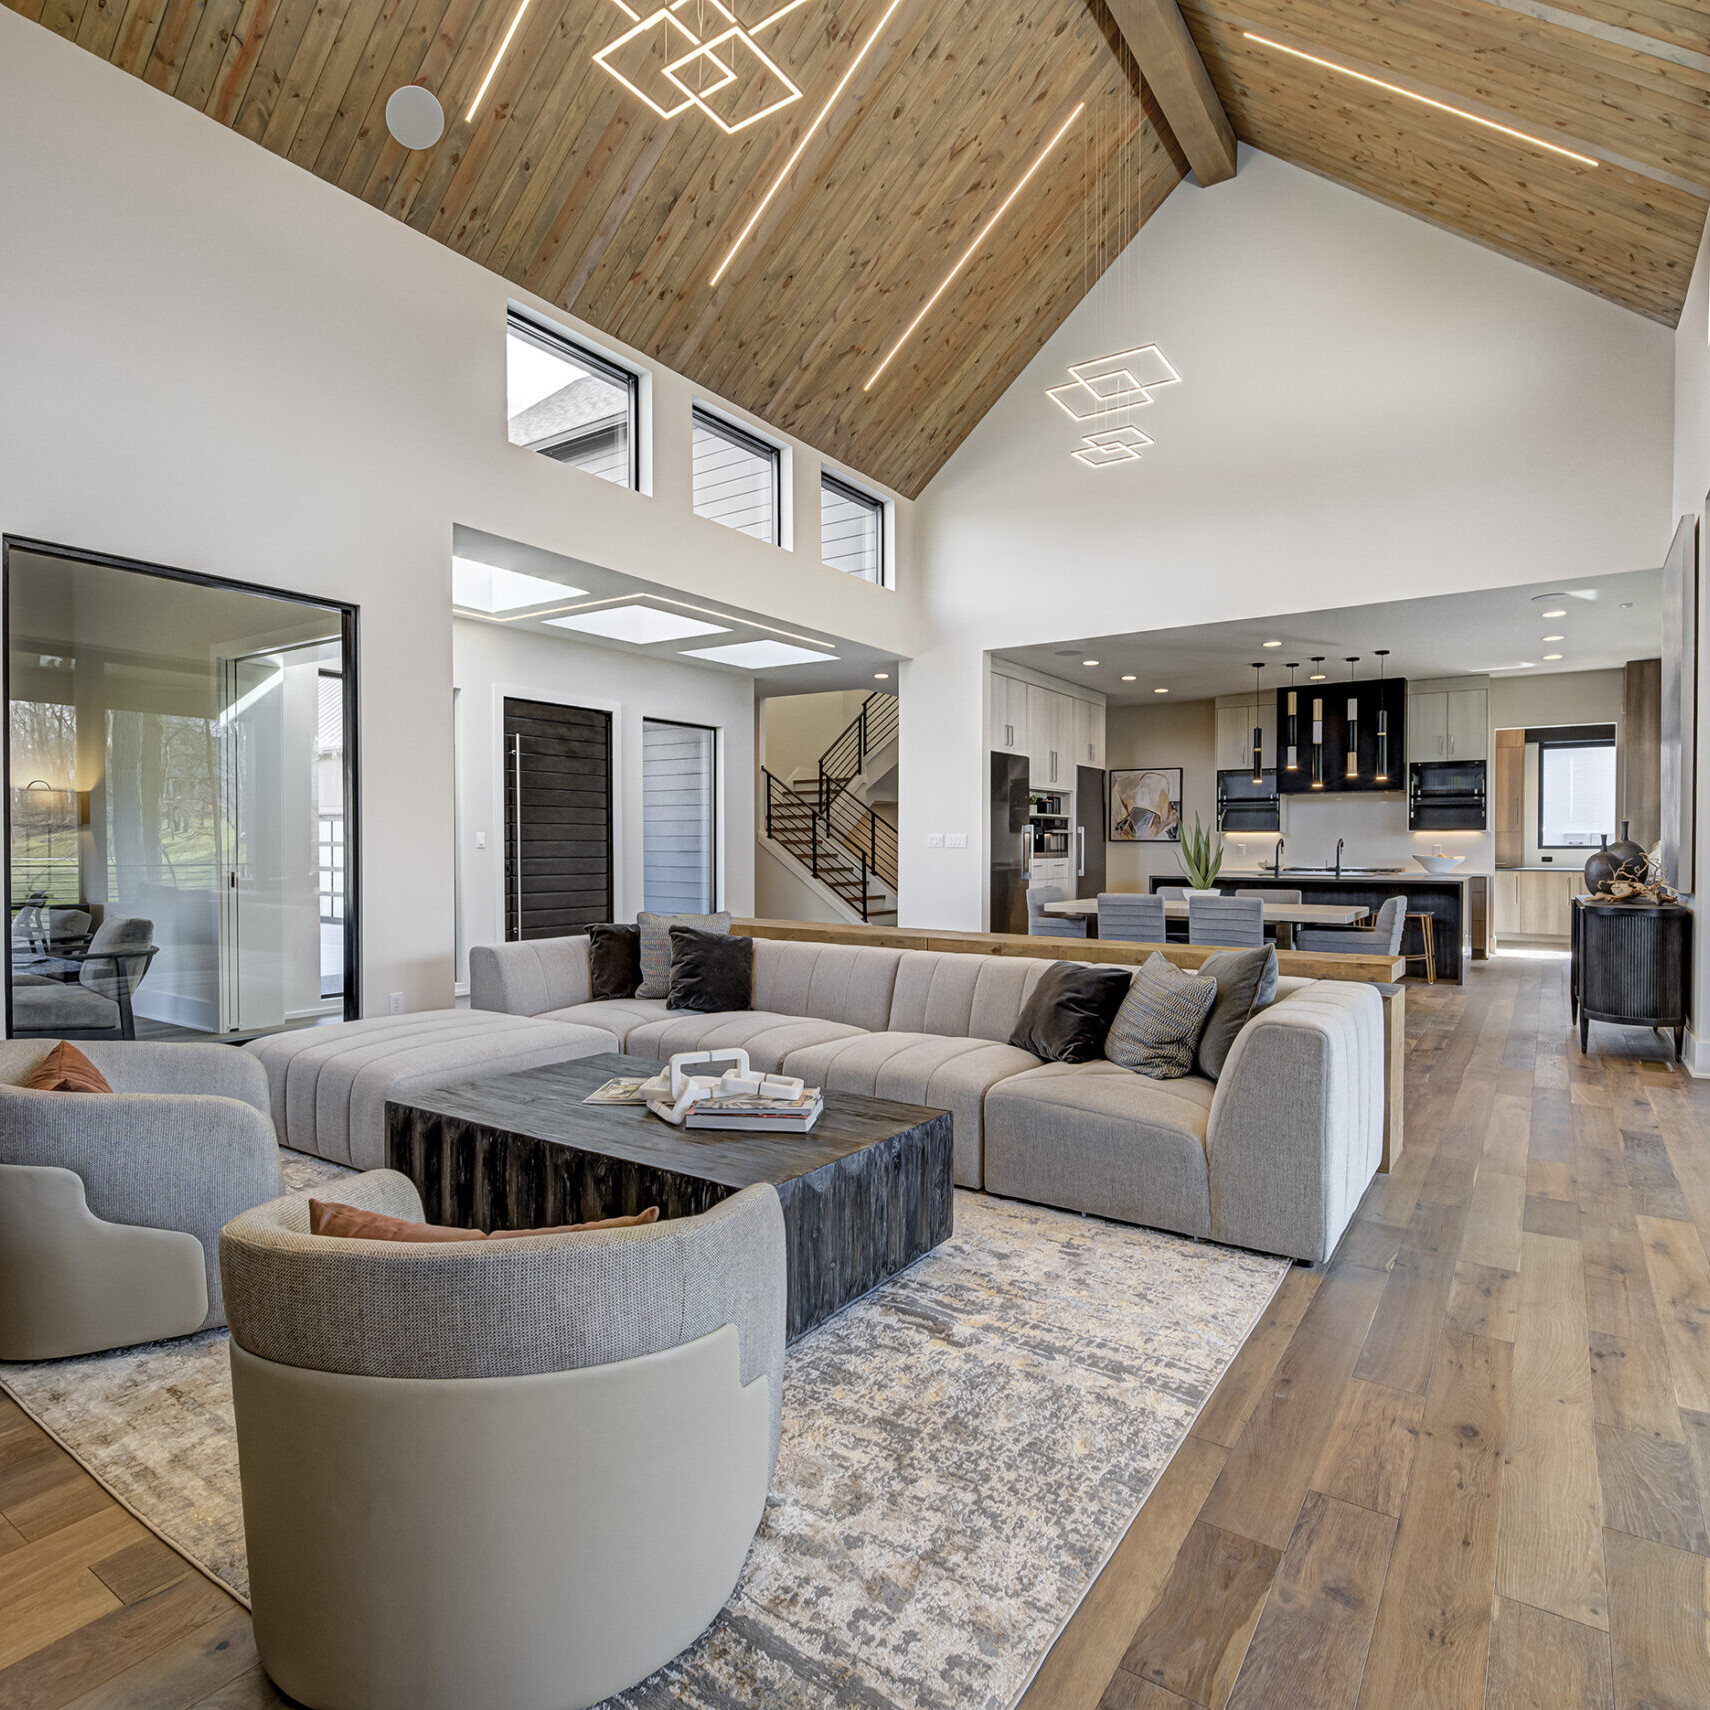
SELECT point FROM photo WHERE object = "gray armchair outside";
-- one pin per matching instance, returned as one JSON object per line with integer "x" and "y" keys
{"x": 1383, "y": 935}
{"x": 111, "y": 1205}
{"x": 98, "y": 1004}
{"x": 499, "y": 1472}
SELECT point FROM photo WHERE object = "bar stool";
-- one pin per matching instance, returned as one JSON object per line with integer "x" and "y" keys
{"x": 1427, "y": 952}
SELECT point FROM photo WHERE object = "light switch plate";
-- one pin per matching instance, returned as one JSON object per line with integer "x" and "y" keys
{"x": 955, "y": 840}
{"x": 480, "y": 840}
{"x": 935, "y": 840}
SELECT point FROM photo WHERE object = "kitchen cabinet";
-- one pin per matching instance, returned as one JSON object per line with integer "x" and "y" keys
{"x": 1008, "y": 732}
{"x": 1532, "y": 906}
{"x": 1050, "y": 738}
{"x": 1089, "y": 735}
{"x": 1451, "y": 724}
{"x": 1235, "y": 735}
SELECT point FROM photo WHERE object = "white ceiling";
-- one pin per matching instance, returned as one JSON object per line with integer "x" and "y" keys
{"x": 851, "y": 665}
{"x": 1610, "y": 619}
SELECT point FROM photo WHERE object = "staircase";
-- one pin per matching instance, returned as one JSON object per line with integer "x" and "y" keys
{"x": 824, "y": 825}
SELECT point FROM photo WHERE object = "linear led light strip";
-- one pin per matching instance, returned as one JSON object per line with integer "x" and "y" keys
{"x": 1423, "y": 100}
{"x": 475, "y": 105}
{"x": 807, "y": 135}
{"x": 980, "y": 237}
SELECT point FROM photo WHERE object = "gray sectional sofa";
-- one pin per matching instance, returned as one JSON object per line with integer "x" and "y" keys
{"x": 1274, "y": 1155}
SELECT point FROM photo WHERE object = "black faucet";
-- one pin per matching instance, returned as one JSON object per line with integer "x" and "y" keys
{"x": 1338, "y": 857}
{"x": 1278, "y": 868}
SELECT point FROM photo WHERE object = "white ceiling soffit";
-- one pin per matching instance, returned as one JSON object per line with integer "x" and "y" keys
{"x": 1496, "y": 631}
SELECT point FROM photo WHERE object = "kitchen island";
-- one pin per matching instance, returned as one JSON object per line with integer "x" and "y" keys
{"x": 1446, "y": 897}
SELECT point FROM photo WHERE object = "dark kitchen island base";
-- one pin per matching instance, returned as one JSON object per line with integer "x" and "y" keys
{"x": 867, "y": 1193}
{"x": 1445, "y": 899}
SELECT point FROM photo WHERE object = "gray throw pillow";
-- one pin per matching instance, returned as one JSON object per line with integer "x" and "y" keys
{"x": 1155, "y": 1030}
{"x": 1246, "y": 983}
{"x": 656, "y": 946}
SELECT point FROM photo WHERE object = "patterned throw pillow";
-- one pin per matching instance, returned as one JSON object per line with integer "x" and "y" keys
{"x": 656, "y": 947}
{"x": 1156, "y": 1029}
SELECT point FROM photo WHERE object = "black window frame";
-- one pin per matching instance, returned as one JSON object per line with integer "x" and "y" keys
{"x": 702, "y": 417}
{"x": 1574, "y": 736}
{"x": 556, "y": 341}
{"x": 860, "y": 496}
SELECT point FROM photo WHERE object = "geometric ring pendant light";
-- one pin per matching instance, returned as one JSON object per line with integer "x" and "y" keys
{"x": 1106, "y": 386}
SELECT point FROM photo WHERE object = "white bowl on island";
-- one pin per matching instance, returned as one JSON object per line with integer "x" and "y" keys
{"x": 1439, "y": 863}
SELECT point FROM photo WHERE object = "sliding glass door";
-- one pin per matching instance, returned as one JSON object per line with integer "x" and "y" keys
{"x": 179, "y": 854}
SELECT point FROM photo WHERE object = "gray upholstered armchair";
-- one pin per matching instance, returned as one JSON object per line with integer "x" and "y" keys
{"x": 97, "y": 1004}
{"x": 501, "y": 1472}
{"x": 1382, "y": 936}
{"x": 1043, "y": 925}
{"x": 111, "y": 1204}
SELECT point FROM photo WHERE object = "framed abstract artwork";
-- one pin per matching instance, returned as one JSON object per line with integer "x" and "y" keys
{"x": 1146, "y": 805}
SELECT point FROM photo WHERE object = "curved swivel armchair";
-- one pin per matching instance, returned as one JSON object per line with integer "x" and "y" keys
{"x": 111, "y": 1204}
{"x": 521, "y": 1472}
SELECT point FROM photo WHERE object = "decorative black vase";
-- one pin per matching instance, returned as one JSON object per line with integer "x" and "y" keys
{"x": 1609, "y": 861}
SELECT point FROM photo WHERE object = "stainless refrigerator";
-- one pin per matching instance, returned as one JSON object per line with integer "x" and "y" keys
{"x": 1009, "y": 843}
{"x": 1089, "y": 831}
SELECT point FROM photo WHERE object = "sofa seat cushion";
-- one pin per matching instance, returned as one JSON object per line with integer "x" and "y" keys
{"x": 328, "y": 1086}
{"x": 767, "y": 1036}
{"x": 618, "y": 1016}
{"x": 1094, "y": 1137}
{"x": 920, "y": 1068}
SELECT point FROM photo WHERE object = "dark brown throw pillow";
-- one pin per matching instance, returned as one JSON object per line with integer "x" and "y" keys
{"x": 351, "y": 1223}
{"x": 710, "y": 971}
{"x": 1070, "y": 1011}
{"x": 614, "y": 961}
{"x": 1246, "y": 983}
{"x": 66, "y": 1069}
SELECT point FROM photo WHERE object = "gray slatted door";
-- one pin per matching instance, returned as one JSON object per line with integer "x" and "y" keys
{"x": 558, "y": 818}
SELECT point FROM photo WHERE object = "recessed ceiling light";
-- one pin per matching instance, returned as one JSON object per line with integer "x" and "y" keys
{"x": 1089, "y": 661}
{"x": 1552, "y": 656}
{"x": 980, "y": 237}
{"x": 1626, "y": 605}
{"x": 414, "y": 117}
{"x": 1423, "y": 100}
{"x": 638, "y": 624}
{"x": 881, "y": 676}
{"x": 1272, "y": 644}
{"x": 1561, "y": 613}
{"x": 1128, "y": 676}
{"x": 1160, "y": 691}
{"x": 759, "y": 655}
{"x": 479, "y": 587}
{"x": 1555, "y": 638}
{"x": 1526, "y": 664}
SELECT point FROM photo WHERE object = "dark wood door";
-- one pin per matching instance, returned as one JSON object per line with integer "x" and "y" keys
{"x": 558, "y": 818}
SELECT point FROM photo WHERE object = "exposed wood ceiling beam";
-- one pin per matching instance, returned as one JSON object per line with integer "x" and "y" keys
{"x": 1159, "y": 39}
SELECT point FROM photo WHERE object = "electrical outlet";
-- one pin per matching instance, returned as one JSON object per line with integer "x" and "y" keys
{"x": 480, "y": 840}
{"x": 935, "y": 840}
{"x": 395, "y": 1004}
{"x": 955, "y": 840}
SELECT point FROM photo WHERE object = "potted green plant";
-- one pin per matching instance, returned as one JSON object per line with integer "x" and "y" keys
{"x": 1199, "y": 854}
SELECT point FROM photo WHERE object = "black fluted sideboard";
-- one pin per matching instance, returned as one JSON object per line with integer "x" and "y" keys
{"x": 1632, "y": 965}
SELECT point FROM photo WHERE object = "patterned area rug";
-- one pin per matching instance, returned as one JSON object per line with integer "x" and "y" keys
{"x": 962, "y": 1451}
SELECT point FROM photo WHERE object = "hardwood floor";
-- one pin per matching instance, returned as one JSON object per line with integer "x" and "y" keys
{"x": 1465, "y": 1463}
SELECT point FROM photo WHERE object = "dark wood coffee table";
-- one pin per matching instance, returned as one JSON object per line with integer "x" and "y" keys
{"x": 865, "y": 1194}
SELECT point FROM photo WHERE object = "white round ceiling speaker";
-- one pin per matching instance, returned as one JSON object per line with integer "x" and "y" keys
{"x": 414, "y": 116}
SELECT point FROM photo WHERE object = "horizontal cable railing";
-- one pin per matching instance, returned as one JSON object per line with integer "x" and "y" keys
{"x": 842, "y": 857}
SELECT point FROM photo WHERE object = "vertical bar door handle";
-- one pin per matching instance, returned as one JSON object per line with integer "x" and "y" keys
{"x": 517, "y": 886}
{"x": 1080, "y": 851}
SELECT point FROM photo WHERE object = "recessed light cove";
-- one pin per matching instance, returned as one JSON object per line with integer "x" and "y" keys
{"x": 759, "y": 655}
{"x": 640, "y": 625}
{"x": 480, "y": 94}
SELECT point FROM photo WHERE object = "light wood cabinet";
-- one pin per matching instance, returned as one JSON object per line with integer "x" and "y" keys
{"x": 1235, "y": 734}
{"x": 1050, "y": 738}
{"x": 1008, "y": 731}
{"x": 1089, "y": 735}
{"x": 1467, "y": 724}
{"x": 1532, "y": 906}
{"x": 1428, "y": 726}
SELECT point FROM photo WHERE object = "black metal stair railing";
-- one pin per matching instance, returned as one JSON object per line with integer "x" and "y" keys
{"x": 842, "y": 856}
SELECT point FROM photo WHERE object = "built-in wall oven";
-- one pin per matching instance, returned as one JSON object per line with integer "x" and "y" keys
{"x": 1051, "y": 826}
{"x": 1243, "y": 805}
{"x": 1446, "y": 795}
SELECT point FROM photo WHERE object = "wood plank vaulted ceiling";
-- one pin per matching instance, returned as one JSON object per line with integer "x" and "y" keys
{"x": 568, "y": 185}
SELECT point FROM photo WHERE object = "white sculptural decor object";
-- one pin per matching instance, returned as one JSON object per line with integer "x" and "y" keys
{"x": 674, "y": 1094}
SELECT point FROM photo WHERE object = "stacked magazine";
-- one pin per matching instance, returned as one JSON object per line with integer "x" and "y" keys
{"x": 749, "y": 1114}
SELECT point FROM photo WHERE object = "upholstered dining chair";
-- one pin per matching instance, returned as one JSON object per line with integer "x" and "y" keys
{"x": 514, "y": 1472}
{"x": 97, "y": 1004}
{"x": 1131, "y": 918}
{"x": 1283, "y": 931}
{"x": 1382, "y": 936}
{"x": 1171, "y": 893}
{"x": 1236, "y": 921}
{"x": 1043, "y": 925}
{"x": 111, "y": 1204}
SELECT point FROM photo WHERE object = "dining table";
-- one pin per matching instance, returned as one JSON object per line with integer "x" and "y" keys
{"x": 1284, "y": 914}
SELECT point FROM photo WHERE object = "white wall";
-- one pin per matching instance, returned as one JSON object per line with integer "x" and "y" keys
{"x": 796, "y": 729}
{"x": 1181, "y": 734}
{"x": 215, "y": 361}
{"x": 1370, "y": 408}
{"x": 490, "y": 661}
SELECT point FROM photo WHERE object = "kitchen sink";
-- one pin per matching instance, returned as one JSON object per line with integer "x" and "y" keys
{"x": 1347, "y": 872}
